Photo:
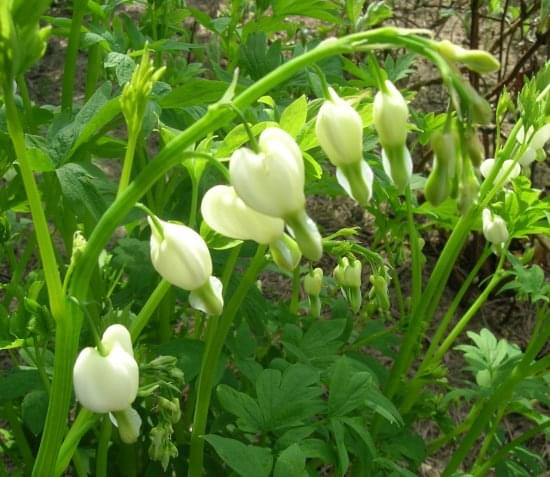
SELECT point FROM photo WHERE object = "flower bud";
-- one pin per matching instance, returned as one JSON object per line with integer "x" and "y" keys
{"x": 225, "y": 212}
{"x": 473, "y": 146}
{"x": 348, "y": 276}
{"x": 313, "y": 281}
{"x": 508, "y": 168}
{"x": 398, "y": 166}
{"x": 494, "y": 227}
{"x": 356, "y": 179}
{"x": 107, "y": 383}
{"x": 468, "y": 188}
{"x": 272, "y": 181}
{"x": 179, "y": 254}
{"x": 438, "y": 185}
{"x": 380, "y": 291}
{"x": 339, "y": 129}
{"x": 208, "y": 298}
{"x": 128, "y": 423}
{"x": 479, "y": 61}
{"x": 285, "y": 252}
{"x": 535, "y": 148}
{"x": 307, "y": 234}
{"x": 390, "y": 113}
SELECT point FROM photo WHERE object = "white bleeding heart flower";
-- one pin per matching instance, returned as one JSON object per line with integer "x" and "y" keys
{"x": 179, "y": 254}
{"x": 226, "y": 213}
{"x": 535, "y": 147}
{"x": 508, "y": 168}
{"x": 494, "y": 227}
{"x": 390, "y": 114}
{"x": 272, "y": 180}
{"x": 128, "y": 423}
{"x": 107, "y": 383}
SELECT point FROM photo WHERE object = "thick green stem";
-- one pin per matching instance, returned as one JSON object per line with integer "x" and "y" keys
{"x": 214, "y": 346}
{"x": 69, "y": 72}
{"x": 94, "y": 69}
{"x": 429, "y": 300}
{"x": 415, "y": 385}
{"x": 43, "y": 237}
{"x": 295, "y": 296}
{"x": 102, "y": 455}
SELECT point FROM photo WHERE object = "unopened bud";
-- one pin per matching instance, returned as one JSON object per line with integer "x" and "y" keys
{"x": 479, "y": 61}
{"x": 494, "y": 227}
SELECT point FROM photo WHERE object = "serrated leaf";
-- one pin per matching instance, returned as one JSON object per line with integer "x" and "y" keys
{"x": 338, "y": 432}
{"x": 195, "y": 92}
{"x": 382, "y": 405}
{"x": 247, "y": 410}
{"x": 245, "y": 460}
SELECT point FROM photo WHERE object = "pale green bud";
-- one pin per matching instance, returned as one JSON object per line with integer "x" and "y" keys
{"x": 390, "y": 114}
{"x": 479, "y": 61}
{"x": 208, "y": 298}
{"x": 179, "y": 254}
{"x": 313, "y": 281}
{"x": 494, "y": 227}
{"x": 438, "y": 185}
{"x": 356, "y": 179}
{"x": 398, "y": 166}
{"x": 285, "y": 252}
{"x": 107, "y": 383}
{"x": 307, "y": 234}
{"x": 339, "y": 129}
{"x": 468, "y": 188}
{"x": 380, "y": 289}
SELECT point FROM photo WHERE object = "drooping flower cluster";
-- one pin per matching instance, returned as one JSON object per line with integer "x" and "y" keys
{"x": 267, "y": 192}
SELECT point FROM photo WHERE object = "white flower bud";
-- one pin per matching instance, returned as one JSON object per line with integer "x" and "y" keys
{"x": 508, "y": 167}
{"x": 494, "y": 227}
{"x": 313, "y": 281}
{"x": 179, "y": 255}
{"x": 225, "y": 212}
{"x": 107, "y": 383}
{"x": 390, "y": 113}
{"x": 272, "y": 181}
{"x": 339, "y": 129}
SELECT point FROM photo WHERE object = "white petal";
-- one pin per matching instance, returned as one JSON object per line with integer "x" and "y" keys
{"x": 226, "y": 213}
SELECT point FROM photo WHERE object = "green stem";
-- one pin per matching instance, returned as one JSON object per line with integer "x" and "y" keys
{"x": 94, "y": 69}
{"x": 214, "y": 346}
{"x": 84, "y": 421}
{"x": 500, "y": 395}
{"x": 25, "y": 96}
{"x": 19, "y": 435}
{"x": 230, "y": 265}
{"x": 133, "y": 137}
{"x": 415, "y": 385}
{"x": 69, "y": 71}
{"x": 43, "y": 237}
{"x": 295, "y": 296}
{"x": 416, "y": 252}
{"x": 194, "y": 201}
{"x": 504, "y": 450}
{"x": 148, "y": 309}
{"x": 429, "y": 300}
{"x": 102, "y": 455}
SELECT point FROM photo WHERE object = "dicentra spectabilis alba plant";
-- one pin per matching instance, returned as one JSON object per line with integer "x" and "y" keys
{"x": 180, "y": 255}
{"x": 271, "y": 181}
{"x": 288, "y": 387}
{"x": 339, "y": 130}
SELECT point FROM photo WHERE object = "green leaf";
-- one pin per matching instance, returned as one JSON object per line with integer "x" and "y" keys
{"x": 359, "y": 428}
{"x": 325, "y": 10}
{"x": 257, "y": 58}
{"x": 238, "y": 136}
{"x": 122, "y": 64}
{"x": 294, "y": 116}
{"x": 247, "y": 410}
{"x": 377, "y": 12}
{"x": 17, "y": 383}
{"x": 195, "y": 92}
{"x": 245, "y": 460}
{"x": 33, "y": 409}
{"x": 338, "y": 432}
{"x": 346, "y": 388}
{"x": 188, "y": 353}
{"x": 84, "y": 187}
{"x": 291, "y": 463}
{"x": 382, "y": 405}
